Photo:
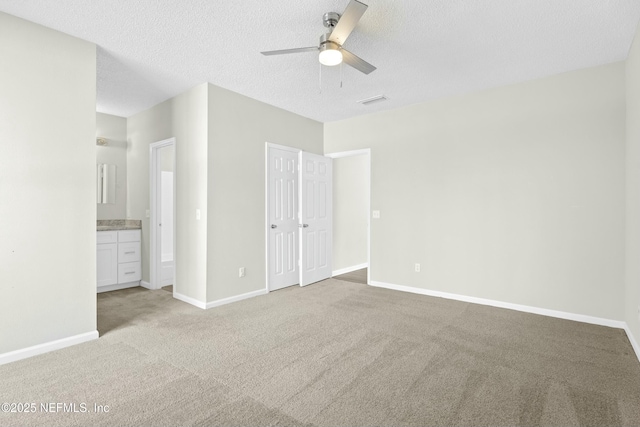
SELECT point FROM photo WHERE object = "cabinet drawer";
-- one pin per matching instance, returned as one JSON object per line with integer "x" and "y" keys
{"x": 128, "y": 252}
{"x": 128, "y": 236}
{"x": 129, "y": 272}
{"x": 103, "y": 237}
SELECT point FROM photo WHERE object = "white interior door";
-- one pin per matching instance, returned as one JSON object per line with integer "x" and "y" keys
{"x": 316, "y": 217}
{"x": 283, "y": 218}
{"x": 166, "y": 229}
{"x": 162, "y": 213}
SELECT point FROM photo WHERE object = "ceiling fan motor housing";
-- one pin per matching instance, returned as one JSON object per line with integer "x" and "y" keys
{"x": 325, "y": 43}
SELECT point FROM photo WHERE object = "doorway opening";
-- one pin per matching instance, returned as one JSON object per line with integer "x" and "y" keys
{"x": 351, "y": 215}
{"x": 162, "y": 168}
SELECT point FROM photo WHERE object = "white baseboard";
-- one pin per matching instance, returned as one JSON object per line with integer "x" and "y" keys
{"x": 219, "y": 302}
{"x": 349, "y": 269}
{"x": 633, "y": 341}
{"x": 118, "y": 286}
{"x": 147, "y": 285}
{"x": 189, "y": 300}
{"x": 236, "y": 298}
{"x": 35, "y": 350}
{"x": 525, "y": 308}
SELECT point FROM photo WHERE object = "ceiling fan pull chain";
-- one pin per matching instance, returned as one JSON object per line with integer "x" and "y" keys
{"x": 320, "y": 78}
{"x": 341, "y": 75}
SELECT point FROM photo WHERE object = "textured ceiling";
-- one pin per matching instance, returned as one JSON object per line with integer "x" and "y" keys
{"x": 151, "y": 50}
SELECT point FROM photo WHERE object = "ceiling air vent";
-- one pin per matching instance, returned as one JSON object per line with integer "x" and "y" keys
{"x": 373, "y": 99}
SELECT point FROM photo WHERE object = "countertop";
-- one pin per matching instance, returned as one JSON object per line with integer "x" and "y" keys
{"x": 118, "y": 224}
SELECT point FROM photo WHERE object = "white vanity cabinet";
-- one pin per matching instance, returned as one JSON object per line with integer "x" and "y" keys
{"x": 118, "y": 259}
{"x": 107, "y": 258}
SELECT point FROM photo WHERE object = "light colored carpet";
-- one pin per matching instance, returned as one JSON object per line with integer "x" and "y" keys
{"x": 333, "y": 353}
{"x": 358, "y": 276}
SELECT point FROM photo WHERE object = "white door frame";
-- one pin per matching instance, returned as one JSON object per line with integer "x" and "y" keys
{"x": 266, "y": 204}
{"x": 154, "y": 185}
{"x": 367, "y": 152}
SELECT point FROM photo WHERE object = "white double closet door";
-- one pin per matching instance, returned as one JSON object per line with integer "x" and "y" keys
{"x": 299, "y": 199}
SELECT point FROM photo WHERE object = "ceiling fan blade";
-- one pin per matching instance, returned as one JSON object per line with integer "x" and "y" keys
{"x": 348, "y": 21}
{"x": 285, "y": 51}
{"x": 356, "y": 62}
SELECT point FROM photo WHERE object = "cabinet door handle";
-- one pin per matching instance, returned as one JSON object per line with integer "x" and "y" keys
{"x": 132, "y": 252}
{"x": 130, "y": 272}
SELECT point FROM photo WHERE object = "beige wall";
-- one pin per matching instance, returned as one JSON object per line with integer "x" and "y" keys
{"x": 632, "y": 291}
{"x": 514, "y": 194}
{"x": 220, "y": 149}
{"x": 239, "y": 127}
{"x": 185, "y": 118}
{"x": 350, "y": 210}
{"x": 114, "y": 129}
{"x": 47, "y": 185}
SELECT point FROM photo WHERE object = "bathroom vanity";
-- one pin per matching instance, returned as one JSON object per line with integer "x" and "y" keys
{"x": 119, "y": 263}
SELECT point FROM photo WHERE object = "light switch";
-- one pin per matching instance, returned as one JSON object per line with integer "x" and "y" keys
{"x": 376, "y": 214}
{"x": 198, "y": 214}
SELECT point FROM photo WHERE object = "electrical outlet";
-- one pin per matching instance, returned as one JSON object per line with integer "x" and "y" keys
{"x": 147, "y": 213}
{"x": 376, "y": 214}
{"x": 241, "y": 272}
{"x": 417, "y": 268}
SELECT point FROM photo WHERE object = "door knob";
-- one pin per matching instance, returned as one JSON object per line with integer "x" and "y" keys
{"x": 305, "y": 225}
{"x": 274, "y": 226}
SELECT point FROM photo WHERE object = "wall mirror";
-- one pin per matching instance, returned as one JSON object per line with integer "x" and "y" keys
{"x": 106, "y": 183}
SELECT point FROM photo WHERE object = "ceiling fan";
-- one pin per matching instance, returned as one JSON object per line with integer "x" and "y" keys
{"x": 330, "y": 47}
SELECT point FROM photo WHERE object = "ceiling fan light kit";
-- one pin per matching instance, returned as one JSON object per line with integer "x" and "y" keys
{"x": 330, "y": 50}
{"x": 330, "y": 54}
